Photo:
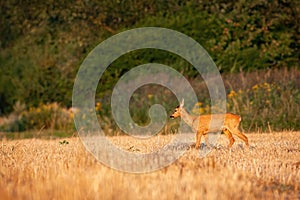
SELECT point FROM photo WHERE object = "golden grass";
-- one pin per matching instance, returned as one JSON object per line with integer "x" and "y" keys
{"x": 50, "y": 169}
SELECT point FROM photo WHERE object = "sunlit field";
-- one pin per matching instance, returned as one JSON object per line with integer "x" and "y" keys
{"x": 63, "y": 169}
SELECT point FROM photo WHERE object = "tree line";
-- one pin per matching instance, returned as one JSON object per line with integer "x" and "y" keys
{"x": 42, "y": 43}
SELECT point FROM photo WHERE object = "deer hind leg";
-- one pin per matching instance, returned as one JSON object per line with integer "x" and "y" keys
{"x": 198, "y": 139}
{"x": 229, "y": 136}
{"x": 241, "y": 136}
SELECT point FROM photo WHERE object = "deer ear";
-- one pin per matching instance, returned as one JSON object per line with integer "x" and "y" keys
{"x": 182, "y": 103}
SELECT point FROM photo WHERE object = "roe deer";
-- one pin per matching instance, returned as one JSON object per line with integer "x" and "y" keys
{"x": 201, "y": 125}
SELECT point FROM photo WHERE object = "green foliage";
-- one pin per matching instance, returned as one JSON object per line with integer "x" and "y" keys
{"x": 248, "y": 35}
{"x": 64, "y": 142}
{"x": 42, "y": 43}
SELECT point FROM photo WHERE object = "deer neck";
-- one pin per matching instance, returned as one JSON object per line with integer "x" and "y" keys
{"x": 187, "y": 118}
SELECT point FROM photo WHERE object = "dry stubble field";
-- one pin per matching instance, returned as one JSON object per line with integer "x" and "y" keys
{"x": 47, "y": 169}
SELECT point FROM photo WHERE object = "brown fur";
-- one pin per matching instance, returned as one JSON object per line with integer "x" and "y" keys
{"x": 201, "y": 125}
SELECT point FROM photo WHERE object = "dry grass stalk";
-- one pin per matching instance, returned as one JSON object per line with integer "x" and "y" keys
{"x": 48, "y": 169}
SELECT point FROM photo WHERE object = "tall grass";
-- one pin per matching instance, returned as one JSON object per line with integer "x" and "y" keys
{"x": 267, "y": 100}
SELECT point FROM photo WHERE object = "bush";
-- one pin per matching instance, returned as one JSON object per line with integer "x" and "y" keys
{"x": 45, "y": 116}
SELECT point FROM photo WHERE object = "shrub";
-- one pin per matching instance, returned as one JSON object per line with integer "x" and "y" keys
{"x": 45, "y": 116}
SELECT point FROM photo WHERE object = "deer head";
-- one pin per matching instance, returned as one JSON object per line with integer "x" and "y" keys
{"x": 177, "y": 111}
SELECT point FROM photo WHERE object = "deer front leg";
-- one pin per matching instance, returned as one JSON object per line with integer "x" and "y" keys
{"x": 198, "y": 139}
{"x": 206, "y": 140}
{"x": 229, "y": 136}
